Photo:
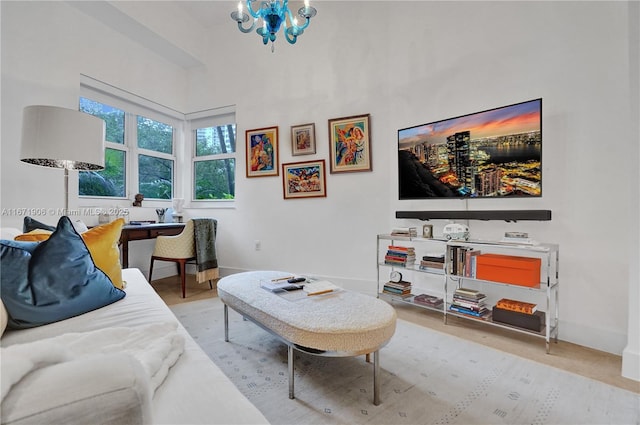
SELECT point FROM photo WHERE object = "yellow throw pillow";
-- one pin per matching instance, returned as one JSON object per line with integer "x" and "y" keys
{"x": 36, "y": 235}
{"x": 102, "y": 242}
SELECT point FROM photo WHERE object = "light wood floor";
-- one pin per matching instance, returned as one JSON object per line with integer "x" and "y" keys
{"x": 574, "y": 358}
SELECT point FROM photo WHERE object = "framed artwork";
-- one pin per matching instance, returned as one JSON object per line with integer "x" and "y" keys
{"x": 350, "y": 144}
{"x": 262, "y": 152}
{"x": 305, "y": 179}
{"x": 303, "y": 139}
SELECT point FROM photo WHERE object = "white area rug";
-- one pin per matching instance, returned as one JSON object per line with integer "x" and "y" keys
{"x": 427, "y": 377}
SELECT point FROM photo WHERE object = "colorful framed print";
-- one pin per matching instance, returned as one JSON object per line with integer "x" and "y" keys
{"x": 350, "y": 144}
{"x": 303, "y": 139}
{"x": 262, "y": 152}
{"x": 305, "y": 179}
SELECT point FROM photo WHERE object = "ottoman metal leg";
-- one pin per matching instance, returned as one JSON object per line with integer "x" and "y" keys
{"x": 226, "y": 323}
{"x": 290, "y": 363}
{"x": 376, "y": 380}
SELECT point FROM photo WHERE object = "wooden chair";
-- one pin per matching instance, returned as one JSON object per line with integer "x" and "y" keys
{"x": 179, "y": 249}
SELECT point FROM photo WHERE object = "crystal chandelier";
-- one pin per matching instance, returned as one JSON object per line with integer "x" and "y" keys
{"x": 274, "y": 14}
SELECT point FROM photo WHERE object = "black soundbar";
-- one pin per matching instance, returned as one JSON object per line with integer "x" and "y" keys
{"x": 506, "y": 215}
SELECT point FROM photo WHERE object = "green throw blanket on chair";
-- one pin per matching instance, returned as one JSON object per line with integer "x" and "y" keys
{"x": 206, "y": 260}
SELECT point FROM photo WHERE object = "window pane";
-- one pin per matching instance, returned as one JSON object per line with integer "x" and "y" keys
{"x": 216, "y": 140}
{"x": 114, "y": 118}
{"x": 215, "y": 179}
{"x": 155, "y": 177}
{"x": 155, "y": 135}
{"x": 108, "y": 182}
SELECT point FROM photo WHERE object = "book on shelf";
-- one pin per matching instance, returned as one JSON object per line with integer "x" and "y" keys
{"x": 515, "y": 305}
{"x": 407, "y": 295}
{"x": 405, "y": 231}
{"x": 398, "y": 285}
{"x": 436, "y": 270}
{"x": 463, "y": 259}
{"x": 432, "y": 264}
{"x": 428, "y": 300}
{"x": 435, "y": 258}
{"x": 400, "y": 255}
{"x": 469, "y": 301}
{"x": 458, "y": 309}
{"x": 469, "y": 293}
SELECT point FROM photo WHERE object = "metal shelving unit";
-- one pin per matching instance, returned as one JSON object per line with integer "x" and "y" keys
{"x": 548, "y": 288}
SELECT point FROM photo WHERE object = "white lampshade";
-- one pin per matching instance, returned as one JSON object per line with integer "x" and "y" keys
{"x": 62, "y": 138}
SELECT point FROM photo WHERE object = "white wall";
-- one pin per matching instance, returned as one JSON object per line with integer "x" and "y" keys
{"x": 405, "y": 63}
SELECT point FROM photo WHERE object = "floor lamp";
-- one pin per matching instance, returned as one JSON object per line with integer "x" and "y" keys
{"x": 62, "y": 138}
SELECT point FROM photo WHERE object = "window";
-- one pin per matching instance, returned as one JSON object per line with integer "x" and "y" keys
{"x": 139, "y": 151}
{"x": 159, "y": 152}
{"x": 110, "y": 181}
{"x": 214, "y": 163}
{"x": 155, "y": 171}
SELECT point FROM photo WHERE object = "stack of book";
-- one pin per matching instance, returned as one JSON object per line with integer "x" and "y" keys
{"x": 433, "y": 263}
{"x": 411, "y": 232}
{"x": 400, "y": 255}
{"x": 519, "y": 313}
{"x": 463, "y": 260}
{"x": 469, "y": 301}
{"x": 428, "y": 300}
{"x": 399, "y": 289}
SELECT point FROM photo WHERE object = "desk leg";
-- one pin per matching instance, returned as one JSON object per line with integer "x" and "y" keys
{"x": 376, "y": 377}
{"x": 125, "y": 254}
{"x": 290, "y": 362}
{"x": 226, "y": 323}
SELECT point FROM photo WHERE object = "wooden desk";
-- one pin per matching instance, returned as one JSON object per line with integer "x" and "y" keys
{"x": 137, "y": 232}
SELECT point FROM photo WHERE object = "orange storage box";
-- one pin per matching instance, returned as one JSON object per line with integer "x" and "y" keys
{"x": 523, "y": 271}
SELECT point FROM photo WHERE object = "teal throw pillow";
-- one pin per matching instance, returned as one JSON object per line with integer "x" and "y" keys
{"x": 52, "y": 280}
{"x": 30, "y": 224}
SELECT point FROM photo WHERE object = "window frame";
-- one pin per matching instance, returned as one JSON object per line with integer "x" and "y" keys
{"x": 204, "y": 119}
{"x": 183, "y": 145}
{"x": 134, "y": 106}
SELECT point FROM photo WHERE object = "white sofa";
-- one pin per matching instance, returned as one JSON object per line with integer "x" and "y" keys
{"x": 108, "y": 389}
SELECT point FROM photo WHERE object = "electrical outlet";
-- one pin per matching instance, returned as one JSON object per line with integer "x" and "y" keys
{"x": 258, "y": 245}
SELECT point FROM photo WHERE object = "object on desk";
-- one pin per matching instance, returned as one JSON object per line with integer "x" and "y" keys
{"x": 138, "y": 200}
{"x": 141, "y": 222}
{"x": 319, "y": 287}
{"x": 161, "y": 212}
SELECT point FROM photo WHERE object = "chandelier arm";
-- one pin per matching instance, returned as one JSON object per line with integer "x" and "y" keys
{"x": 247, "y": 30}
{"x": 291, "y": 36}
{"x": 253, "y": 13}
{"x": 305, "y": 25}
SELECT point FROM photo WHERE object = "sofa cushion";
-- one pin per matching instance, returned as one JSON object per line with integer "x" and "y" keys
{"x": 102, "y": 242}
{"x": 106, "y": 389}
{"x": 52, "y": 280}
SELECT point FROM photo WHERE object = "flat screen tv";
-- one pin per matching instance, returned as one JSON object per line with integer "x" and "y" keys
{"x": 495, "y": 153}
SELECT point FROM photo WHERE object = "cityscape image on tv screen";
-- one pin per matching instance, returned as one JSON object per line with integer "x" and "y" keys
{"x": 489, "y": 154}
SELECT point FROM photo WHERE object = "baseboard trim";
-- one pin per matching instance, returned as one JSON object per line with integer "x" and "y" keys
{"x": 631, "y": 364}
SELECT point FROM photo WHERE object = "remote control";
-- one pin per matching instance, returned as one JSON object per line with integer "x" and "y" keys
{"x": 296, "y": 280}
